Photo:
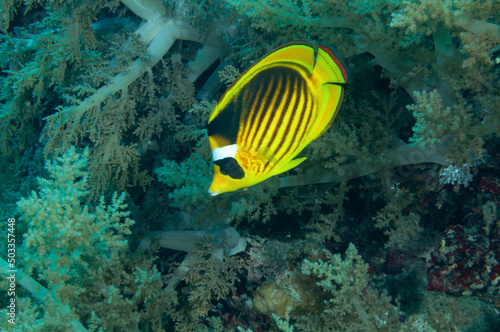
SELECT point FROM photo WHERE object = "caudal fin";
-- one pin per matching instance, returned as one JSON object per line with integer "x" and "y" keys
{"x": 330, "y": 75}
{"x": 329, "y": 68}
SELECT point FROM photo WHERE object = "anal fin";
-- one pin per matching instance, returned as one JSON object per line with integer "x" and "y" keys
{"x": 293, "y": 163}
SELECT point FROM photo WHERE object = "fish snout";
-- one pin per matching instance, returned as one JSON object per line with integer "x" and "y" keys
{"x": 213, "y": 193}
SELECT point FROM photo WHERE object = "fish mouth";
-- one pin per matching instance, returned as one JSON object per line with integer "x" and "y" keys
{"x": 213, "y": 193}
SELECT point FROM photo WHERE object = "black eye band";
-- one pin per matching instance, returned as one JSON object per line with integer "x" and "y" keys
{"x": 229, "y": 166}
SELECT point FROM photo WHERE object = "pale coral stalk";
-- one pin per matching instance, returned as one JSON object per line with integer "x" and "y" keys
{"x": 405, "y": 154}
{"x": 40, "y": 293}
{"x": 160, "y": 32}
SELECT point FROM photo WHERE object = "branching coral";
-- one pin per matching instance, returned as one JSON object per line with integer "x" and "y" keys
{"x": 223, "y": 241}
{"x": 437, "y": 124}
{"x": 347, "y": 281}
{"x": 108, "y": 112}
{"x": 399, "y": 225}
{"x": 42, "y": 295}
{"x": 82, "y": 254}
{"x": 190, "y": 178}
{"x": 134, "y": 82}
{"x": 96, "y": 94}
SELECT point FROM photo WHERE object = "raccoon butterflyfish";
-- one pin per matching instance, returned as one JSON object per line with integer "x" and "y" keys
{"x": 272, "y": 112}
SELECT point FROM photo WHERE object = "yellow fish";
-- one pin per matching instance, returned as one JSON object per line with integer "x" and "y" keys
{"x": 272, "y": 112}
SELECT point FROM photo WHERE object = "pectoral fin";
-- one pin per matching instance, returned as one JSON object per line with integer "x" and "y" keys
{"x": 266, "y": 154}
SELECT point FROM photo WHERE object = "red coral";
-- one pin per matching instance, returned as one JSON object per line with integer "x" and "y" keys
{"x": 461, "y": 263}
{"x": 491, "y": 184}
{"x": 495, "y": 275}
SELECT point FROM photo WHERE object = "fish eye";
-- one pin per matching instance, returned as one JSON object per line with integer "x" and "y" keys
{"x": 230, "y": 167}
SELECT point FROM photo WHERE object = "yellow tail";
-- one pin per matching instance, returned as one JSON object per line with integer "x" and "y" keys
{"x": 329, "y": 75}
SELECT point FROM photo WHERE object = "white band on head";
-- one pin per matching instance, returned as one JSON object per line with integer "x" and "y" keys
{"x": 228, "y": 151}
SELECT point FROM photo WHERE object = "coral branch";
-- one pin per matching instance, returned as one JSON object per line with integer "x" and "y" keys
{"x": 227, "y": 240}
{"x": 188, "y": 241}
{"x": 400, "y": 156}
{"x": 165, "y": 32}
{"x": 40, "y": 293}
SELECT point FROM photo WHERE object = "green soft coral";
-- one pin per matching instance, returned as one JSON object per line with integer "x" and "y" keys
{"x": 438, "y": 126}
{"x": 190, "y": 180}
{"x": 69, "y": 233}
{"x": 81, "y": 252}
{"x": 353, "y": 305}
